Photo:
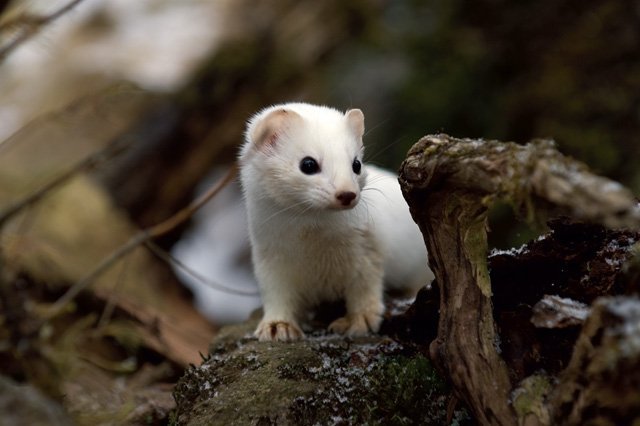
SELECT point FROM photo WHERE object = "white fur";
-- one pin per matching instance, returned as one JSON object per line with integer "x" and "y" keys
{"x": 403, "y": 249}
{"x": 307, "y": 246}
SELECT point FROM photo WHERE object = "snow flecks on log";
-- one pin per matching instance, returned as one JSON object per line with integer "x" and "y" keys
{"x": 450, "y": 184}
{"x": 553, "y": 311}
{"x": 601, "y": 384}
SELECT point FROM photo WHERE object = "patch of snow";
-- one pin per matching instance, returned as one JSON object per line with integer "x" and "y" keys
{"x": 497, "y": 342}
{"x": 341, "y": 398}
{"x": 337, "y": 420}
{"x": 553, "y": 310}
{"x": 399, "y": 307}
{"x": 344, "y": 381}
{"x": 613, "y": 245}
{"x": 509, "y": 252}
{"x": 326, "y": 361}
{"x": 628, "y": 332}
{"x": 612, "y": 186}
{"x": 613, "y": 262}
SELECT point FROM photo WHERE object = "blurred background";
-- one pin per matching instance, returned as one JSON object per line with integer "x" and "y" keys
{"x": 180, "y": 78}
{"x": 135, "y": 107}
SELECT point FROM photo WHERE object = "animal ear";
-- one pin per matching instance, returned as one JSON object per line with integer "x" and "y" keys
{"x": 267, "y": 130}
{"x": 355, "y": 117}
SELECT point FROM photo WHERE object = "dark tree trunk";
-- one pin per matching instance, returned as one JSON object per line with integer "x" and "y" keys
{"x": 450, "y": 184}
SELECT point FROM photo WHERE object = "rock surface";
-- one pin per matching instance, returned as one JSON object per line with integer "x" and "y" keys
{"x": 26, "y": 405}
{"x": 324, "y": 379}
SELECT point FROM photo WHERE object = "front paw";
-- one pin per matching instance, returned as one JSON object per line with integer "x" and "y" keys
{"x": 278, "y": 331}
{"x": 356, "y": 325}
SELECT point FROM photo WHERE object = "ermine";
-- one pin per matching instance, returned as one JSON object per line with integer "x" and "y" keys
{"x": 323, "y": 226}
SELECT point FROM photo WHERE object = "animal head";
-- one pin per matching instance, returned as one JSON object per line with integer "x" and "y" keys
{"x": 305, "y": 155}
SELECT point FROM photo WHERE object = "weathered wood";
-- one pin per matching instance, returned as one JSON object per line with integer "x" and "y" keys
{"x": 450, "y": 184}
{"x": 558, "y": 312}
{"x": 601, "y": 384}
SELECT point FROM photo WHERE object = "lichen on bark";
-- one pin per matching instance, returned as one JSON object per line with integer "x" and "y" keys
{"x": 450, "y": 184}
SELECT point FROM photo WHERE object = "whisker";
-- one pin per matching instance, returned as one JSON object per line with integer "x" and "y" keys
{"x": 366, "y": 211}
{"x": 375, "y": 179}
{"x": 371, "y": 129}
{"x": 378, "y": 190}
{"x": 304, "y": 202}
{"x": 378, "y": 153}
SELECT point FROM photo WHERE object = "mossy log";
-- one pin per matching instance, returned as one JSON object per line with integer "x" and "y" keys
{"x": 450, "y": 184}
{"x": 601, "y": 384}
{"x": 324, "y": 379}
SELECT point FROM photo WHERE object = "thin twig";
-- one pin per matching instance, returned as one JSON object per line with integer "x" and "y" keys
{"x": 142, "y": 237}
{"x": 110, "y": 304}
{"x": 88, "y": 163}
{"x": 31, "y": 25}
{"x": 162, "y": 254}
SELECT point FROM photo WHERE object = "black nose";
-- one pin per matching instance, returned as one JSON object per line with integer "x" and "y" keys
{"x": 346, "y": 197}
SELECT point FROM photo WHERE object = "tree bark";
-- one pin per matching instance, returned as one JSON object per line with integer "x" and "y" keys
{"x": 601, "y": 384}
{"x": 450, "y": 184}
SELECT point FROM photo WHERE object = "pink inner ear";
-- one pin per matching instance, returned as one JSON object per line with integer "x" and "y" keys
{"x": 355, "y": 117}
{"x": 266, "y": 133}
{"x": 271, "y": 140}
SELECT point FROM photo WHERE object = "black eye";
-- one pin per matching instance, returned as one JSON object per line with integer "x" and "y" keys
{"x": 309, "y": 166}
{"x": 357, "y": 166}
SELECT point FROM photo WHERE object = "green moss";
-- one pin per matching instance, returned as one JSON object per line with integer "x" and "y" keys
{"x": 320, "y": 380}
{"x": 405, "y": 389}
{"x": 530, "y": 396}
{"x": 430, "y": 150}
{"x": 475, "y": 243}
{"x": 173, "y": 419}
{"x": 391, "y": 389}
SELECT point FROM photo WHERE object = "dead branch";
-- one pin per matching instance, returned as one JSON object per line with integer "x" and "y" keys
{"x": 601, "y": 384}
{"x": 171, "y": 260}
{"x": 89, "y": 163}
{"x": 450, "y": 184}
{"x": 26, "y": 26}
{"x": 142, "y": 237}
